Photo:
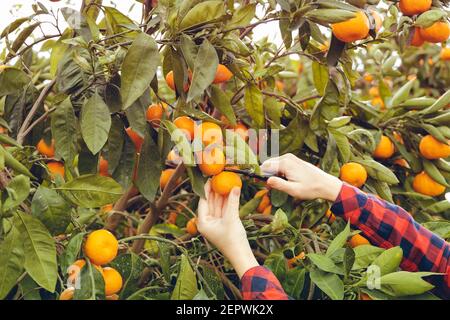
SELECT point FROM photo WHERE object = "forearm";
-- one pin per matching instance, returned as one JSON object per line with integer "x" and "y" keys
{"x": 387, "y": 225}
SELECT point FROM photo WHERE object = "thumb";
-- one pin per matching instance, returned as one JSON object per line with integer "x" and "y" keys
{"x": 282, "y": 185}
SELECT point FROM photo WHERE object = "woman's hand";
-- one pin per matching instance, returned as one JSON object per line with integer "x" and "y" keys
{"x": 219, "y": 222}
{"x": 305, "y": 181}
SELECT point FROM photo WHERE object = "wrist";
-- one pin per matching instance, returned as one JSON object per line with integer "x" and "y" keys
{"x": 331, "y": 188}
{"x": 242, "y": 259}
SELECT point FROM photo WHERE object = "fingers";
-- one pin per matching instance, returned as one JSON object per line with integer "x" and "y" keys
{"x": 231, "y": 209}
{"x": 288, "y": 187}
{"x": 203, "y": 205}
{"x": 218, "y": 205}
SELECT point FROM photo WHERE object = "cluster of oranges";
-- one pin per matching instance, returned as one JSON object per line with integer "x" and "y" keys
{"x": 100, "y": 248}
{"x": 54, "y": 167}
{"x": 430, "y": 148}
{"x": 438, "y": 32}
{"x": 57, "y": 167}
{"x": 377, "y": 100}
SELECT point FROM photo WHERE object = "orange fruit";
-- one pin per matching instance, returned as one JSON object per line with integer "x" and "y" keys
{"x": 136, "y": 138}
{"x": 432, "y": 149}
{"x": 224, "y": 182}
{"x": 279, "y": 85}
{"x": 300, "y": 68}
{"x": 187, "y": 125}
{"x": 242, "y": 130}
{"x": 353, "y": 29}
{"x": 191, "y": 227}
{"x": 445, "y": 54}
{"x": 174, "y": 157}
{"x": 354, "y": 174}
{"x": 424, "y": 184}
{"x": 378, "y": 102}
{"x": 155, "y": 113}
{"x": 265, "y": 201}
{"x": 438, "y": 32}
{"x": 293, "y": 261}
{"x": 172, "y": 219}
{"x": 402, "y": 163}
{"x": 413, "y": 7}
{"x": 357, "y": 240}
{"x": 103, "y": 167}
{"x": 374, "y": 92}
{"x": 107, "y": 208}
{"x": 223, "y": 74}
{"x": 101, "y": 247}
{"x": 210, "y": 133}
{"x": 67, "y": 294}
{"x": 165, "y": 177}
{"x": 45, "y": 149}
{"x": 113, "y": 281}
{"x": 398, "y": 137}
{"x": 368, "y": 77}
{"x": 55, "y": 168}
{"x": 330, "y": 216}
{"x": 385, "y": 148}
{"x": 364, "y": 296}
{"x": 212, "y": 161}
{"x": 417, "y": 40}
{"x": 268, "y": 210}
{"x": 171, "y": 82}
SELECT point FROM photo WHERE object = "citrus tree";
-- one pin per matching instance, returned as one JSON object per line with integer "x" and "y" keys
{"x": 111, "y": 127}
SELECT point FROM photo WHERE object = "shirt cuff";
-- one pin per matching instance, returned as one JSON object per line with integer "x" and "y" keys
{"x": 259, "y": 283}
{"x": 349, "y": 200}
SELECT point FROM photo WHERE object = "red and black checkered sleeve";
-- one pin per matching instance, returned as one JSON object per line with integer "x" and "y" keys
{"x": 386, "y": 225}
{"x": 259, "y": 283}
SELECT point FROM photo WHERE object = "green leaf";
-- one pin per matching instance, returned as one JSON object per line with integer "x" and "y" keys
{"x": 205, "y": 68}
{"x": 326, "y": 16}
{"x": 324, "y": 263}
{"x": 329, "y": 283}
{"x": 138, "y": 68}
{"x": 428, "y": 18}
{"x": 203, "y": 13}
{"x": 149, "y": 169}
{"x": 186, "y": 286}
{"x": 378, "y": 171}
{"x": 18, "y": 190}
{"x": 91, "y": 191}
{"x": 443, "y": 101}
{"x": 40, "y": 251}
{"x": 51, "y": 209}
{"x": 221, "y": 102}
{"x": 320, "y": 76}
{"x": 253, "y": 100}
{"x": 197, "y": 180}
{"x": 402, "y": 94}
{"x": 294, "y": 282}
{"x": 278, "y": 224}
{"x": 327, "y": 108}
{"x": 339, "y": 241}
{"x": 365, "y": 255}
{"x": 91, "y": 285}
{"x": 12, "y": 261}
{"x": 242, "y": 16}
{"x": 181, "y": 142}
{"x": 130, "y": 267}
{"x": 95, "y": 123}
{"x": 389, "y": 260}
{"x": 64, "y": 130}
{"x": 71, "y": 252}
{"x": 404, "y": 283}
{"x": 12, "y": 80}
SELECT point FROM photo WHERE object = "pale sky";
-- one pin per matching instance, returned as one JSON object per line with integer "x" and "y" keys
{"x": 130, "y": 7}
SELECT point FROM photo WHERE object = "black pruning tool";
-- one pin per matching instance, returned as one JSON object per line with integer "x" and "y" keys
{"x": 249, "y": 173}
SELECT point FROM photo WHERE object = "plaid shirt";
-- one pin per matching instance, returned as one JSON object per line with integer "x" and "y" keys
{"x": 385, "y": 225}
